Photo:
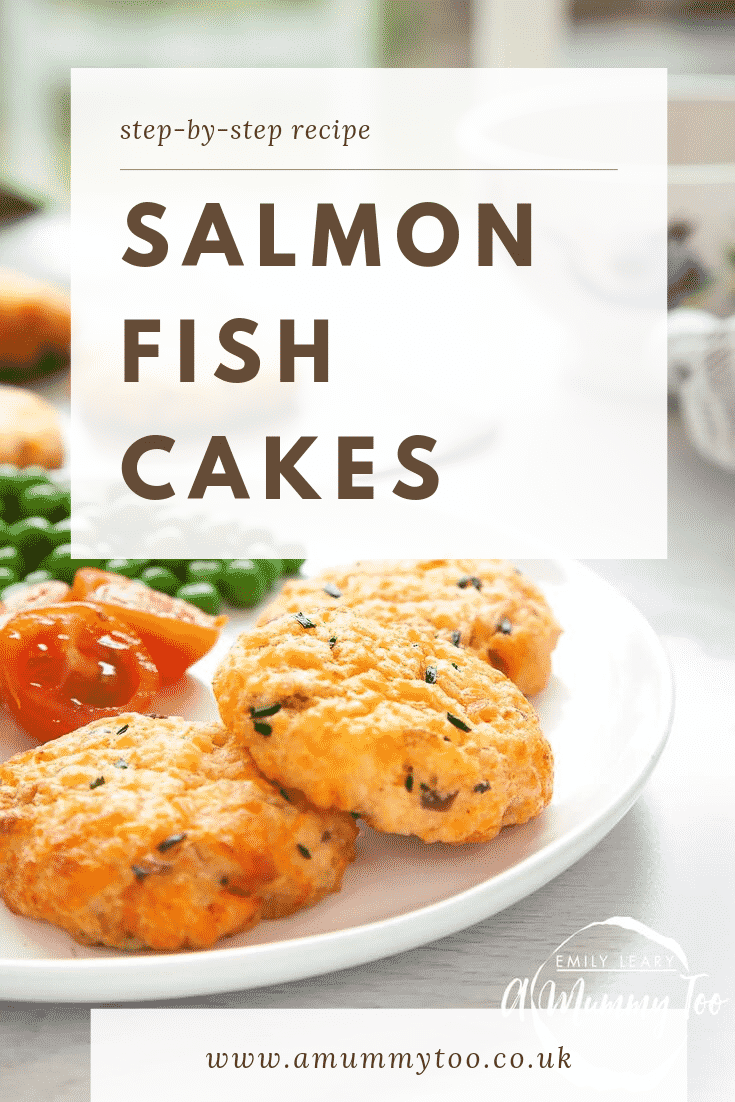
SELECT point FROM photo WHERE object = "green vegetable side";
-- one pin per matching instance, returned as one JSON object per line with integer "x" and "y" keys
{"x": 35, "y": 547}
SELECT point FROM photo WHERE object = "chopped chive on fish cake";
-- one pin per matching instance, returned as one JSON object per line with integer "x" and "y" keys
{"x": 158, "y": 833}
{"x": 397, "y": 727}
{"x": 484, "y": 606}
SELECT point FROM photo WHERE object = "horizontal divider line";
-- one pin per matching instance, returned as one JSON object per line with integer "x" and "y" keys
{"x": 345, "y": 169}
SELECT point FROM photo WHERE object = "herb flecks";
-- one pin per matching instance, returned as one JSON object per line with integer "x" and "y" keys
{"x": 432, "y": 800}
{"x": 285, "y": 795}
{"x": 482, "y": 787}
{"x": 409, "y": 782}
{"x": 470, "y": 579}
{"x": 332, "y": 641}
{"x": 123, "y": 729}
{"x": 355, "y": 814}
{"x": 304, "y": 851}
{"x": 455, "y": 665}
{"x": 332, "y": 590}
{"x": 172, "y": 840}
{"x": 120, "y": 763}
{"x": 97, "y": 782}
{"x": 266, "y": 710}
{"x": 504, "y": 626}
{"x": 304, "y": 620}
{"x": 430, "y": 675}
{"x": 455, "y": 637}
{"x": 457, "y": 722}
{"x": 256, "y": 715}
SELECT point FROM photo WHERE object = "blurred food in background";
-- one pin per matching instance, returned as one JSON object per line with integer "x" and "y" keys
{"x": 687, "y": 277}
{"x": 35, "y": 337}
{"x": 13, "y": 207}
{"x": 30, "y": 432}
{"x": 35, "y": 327}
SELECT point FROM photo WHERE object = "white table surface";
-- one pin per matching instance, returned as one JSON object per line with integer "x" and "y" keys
{"x": 669, "y": 863}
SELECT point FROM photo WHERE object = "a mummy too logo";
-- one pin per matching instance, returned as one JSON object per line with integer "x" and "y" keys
{"x": 615, "y": 965}
{"x": 610, "y": 984}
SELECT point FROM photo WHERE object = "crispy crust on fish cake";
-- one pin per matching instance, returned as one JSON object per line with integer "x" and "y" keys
{"x": 153, "y": 832}
{"x": 412, "y": 734}
{"x": 485, "y": 606}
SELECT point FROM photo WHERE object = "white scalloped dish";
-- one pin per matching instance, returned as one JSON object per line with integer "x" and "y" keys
{"x": 606, "y": 713}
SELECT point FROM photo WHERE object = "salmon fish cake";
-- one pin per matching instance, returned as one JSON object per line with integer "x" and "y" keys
{"x": 158, "y": 833}
{"x": 484, "y": 606}
{"x": 400, "y": 728}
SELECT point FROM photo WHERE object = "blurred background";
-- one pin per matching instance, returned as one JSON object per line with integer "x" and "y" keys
{"x": 40, "y": 40}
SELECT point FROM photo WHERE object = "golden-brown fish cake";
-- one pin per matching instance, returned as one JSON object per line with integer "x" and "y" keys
{"x": 152, "y": 832}
{"x": 407, "y": 731}
{"x": 485, "y": 606}
{"x": 30, "y": 431}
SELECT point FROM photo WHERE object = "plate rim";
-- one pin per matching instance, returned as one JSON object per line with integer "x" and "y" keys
{"x": 161, "y": 976}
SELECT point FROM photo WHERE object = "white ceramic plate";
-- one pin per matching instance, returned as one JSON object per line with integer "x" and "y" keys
{"x": 606, "y": 713}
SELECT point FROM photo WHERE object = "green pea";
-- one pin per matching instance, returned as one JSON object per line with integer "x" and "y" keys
{"x": 61, "y": 532}
{"x": 204, "y": 570}
{"x": 25, "y": 477}
{"x": 8, "y": 475}
{"x": 158, "y": 577}
{"x": 270, "y": 569}
{"x": 44, "y": 500}
{"x": 202, "y": 594}
{"x": 32, "y": 537}
{"x": 242, "y": 583}
{"x": 291, "y": 566}
{"x": 12, "y": 558}
{"x": 175, "y": 566}
{"x": 11, "y": 511}
{"x": 60, "y": 564}
{"x": 129, "y": 568}
{"x": 37, "y": 576}
{"x": 7, "y": 576}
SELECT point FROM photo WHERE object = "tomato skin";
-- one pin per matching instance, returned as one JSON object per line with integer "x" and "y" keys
{"x": 175, "y": 633}
{"x": 64, "y": 665}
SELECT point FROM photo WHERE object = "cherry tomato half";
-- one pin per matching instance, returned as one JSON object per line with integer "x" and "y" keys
{"x": 175, "y": 633}
{"x": 64, "y": 665}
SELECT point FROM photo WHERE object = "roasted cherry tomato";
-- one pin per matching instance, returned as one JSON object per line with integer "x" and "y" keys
{"x": 175, "y": 633}
{"x": 67, "y": 664}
